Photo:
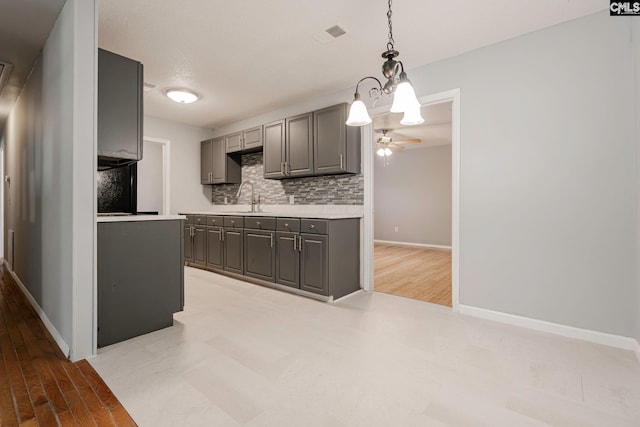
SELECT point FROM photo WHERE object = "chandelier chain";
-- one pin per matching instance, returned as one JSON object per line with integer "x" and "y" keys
{"x": 391, "y": 41}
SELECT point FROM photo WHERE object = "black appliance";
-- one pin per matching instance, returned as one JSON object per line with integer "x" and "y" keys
{"x": 118, "y": 189}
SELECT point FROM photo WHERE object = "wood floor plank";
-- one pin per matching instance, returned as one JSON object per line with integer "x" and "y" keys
{"x": 39, "y": 386}
{"x": 413, "y": 272}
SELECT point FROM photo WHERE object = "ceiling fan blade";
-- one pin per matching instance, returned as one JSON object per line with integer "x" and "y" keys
{"x": 408, "y": 141}
{"x": 395, "y": 147}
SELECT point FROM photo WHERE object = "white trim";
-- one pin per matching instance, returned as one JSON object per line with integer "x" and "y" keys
{"x": 636, "y": 349}
{"x": 368, "y": 239}
{"x": 43, "y": 316}
{"x": 603, "y": 338}
{"x": 166, "y": 172}
{"x": 416, "y": 245}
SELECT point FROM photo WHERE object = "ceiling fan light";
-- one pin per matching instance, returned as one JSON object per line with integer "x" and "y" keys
{"x": 358, "y": 114}
{"x": 380, "y": 152}
{"x": 182, "y": 96}
{"x": 387, "y": 151}
{"x": 412, "y": 116}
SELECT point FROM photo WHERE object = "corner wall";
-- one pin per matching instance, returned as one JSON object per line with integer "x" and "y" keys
{"x": 635, "y": 33}
{"x": 50, "y": 159}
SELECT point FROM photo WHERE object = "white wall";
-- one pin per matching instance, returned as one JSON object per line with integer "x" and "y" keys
{"x": 186, "y": 191}
{"x": 150, "y": 177}
{"x": 413, "y": 192}
{"x": 50, "y": 158}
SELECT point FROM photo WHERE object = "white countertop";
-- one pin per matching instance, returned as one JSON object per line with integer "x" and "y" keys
{"x": 129, "y": 218}
{"x": 289, "y": 211}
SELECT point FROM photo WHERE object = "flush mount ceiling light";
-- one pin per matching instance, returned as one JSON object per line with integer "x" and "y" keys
{"x": 398, "y": 84}
{"x": 182, "y": 96}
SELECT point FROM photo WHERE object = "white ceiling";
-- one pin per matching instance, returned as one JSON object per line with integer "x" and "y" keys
{"x": 246, "y": 58}
{"x": 436, "y": 129}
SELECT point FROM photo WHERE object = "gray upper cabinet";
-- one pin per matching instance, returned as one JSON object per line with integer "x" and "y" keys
{"x": 299, "y": 145}
{"x": 120, "y": 111}
{"x": 246, "y": 141}
{"x": 216, "y": 166}
{"x": 233, "y": 142}
{"x": 274, "y": 151}
{"x": 336, "y": 146}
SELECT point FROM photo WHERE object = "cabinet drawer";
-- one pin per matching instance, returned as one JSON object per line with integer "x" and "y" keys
{"x": 314, "y": 226}
{"x": 260, "y": 223}
{"x": 189, "y": 220}
{"x": 199, "y": 220}
{"x": 288, "y": 224}
{"x": 234, "y": 222}
{"x": 214, "y": 221}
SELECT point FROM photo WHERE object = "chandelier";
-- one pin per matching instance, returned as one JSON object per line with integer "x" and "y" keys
{"x": 398, "y": 85}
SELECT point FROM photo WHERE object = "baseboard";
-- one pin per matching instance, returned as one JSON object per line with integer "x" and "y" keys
{"x": 43, "y": 316}
{"x": 417, "y": 245}
{"x": 604, "y": 338}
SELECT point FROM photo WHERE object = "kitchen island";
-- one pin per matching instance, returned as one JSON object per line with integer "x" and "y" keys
{"x": 140, "y": 274}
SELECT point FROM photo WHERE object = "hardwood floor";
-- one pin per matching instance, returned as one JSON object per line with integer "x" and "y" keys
{"x": 418, "y": 273}
{"x": 38, "y": 385}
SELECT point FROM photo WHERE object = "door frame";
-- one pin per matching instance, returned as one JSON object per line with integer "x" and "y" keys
{"x": 166, "y": 172}
{"x": 452, "y": 95}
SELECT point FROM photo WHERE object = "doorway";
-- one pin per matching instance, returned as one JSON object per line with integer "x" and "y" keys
{"x": 153, "y": 177}
{"x": 412, "y": 205}
{"x": 369, "y": 152}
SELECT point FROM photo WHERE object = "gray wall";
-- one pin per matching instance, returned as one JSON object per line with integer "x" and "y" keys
{"x": 345, "y": 189}
{"x": 547, "y": 174}
{"x": 413, "y": 192}
{"x": 186, "y": 191}
{"x": 50, "y": 159}
{"x": 636, "y": 73}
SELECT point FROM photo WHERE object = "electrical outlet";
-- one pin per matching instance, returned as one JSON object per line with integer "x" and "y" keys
{"x": 226, "y": 200}
{"x": 291, "y": 199}
{"x": 395, "y": 228}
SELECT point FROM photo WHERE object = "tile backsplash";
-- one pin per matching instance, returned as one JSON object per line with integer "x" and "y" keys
{"x": 313, "y": 190}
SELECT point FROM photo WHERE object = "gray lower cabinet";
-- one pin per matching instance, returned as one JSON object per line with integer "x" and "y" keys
{"x": 215, "y": 247}
{"x": 260, "y": 254}
{"x": 314, "y": 275}
{"x": 233, "y": 250}
{"x": 288, "y": 259}
{"x": 199, "y": 245}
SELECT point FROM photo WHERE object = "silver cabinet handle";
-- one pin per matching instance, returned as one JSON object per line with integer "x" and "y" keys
{"x": 220, "y": 236}
{"x": 286, "y": 224}
{"x": 295, "y": 238}
{"x": 287, "y": 168}
{"x": 281, "y": 168}
{"x": 258, "y": 223}
{"x": 341, "y": 161}
{"x": 300, "y": 244}
{"x": 271, "y": 237}
{"x": 232, "y": 222}
{"x": 312, "y": 226}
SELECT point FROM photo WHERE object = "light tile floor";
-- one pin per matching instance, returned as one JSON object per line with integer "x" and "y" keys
{"x": 242, "y": 354}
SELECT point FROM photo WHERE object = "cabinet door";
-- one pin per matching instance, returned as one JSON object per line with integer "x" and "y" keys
{"x": 299, "y": 145}
{"x": 188, "y": 244}
{"x": 329, "y": 131}
{"x": 214, "y": 247}
{"x": 313, "y": 263}
{"x": 288, "y": 259}
{"x": 274, "y": 142}
{"x": 233, "y": 250}
{"x": 205, "y": 161}
{"x": 199, "y": 245}
{"x": 252, "y": 138}
{"x": 233, "y": 142}
{"x": 218, "y": 161}
{"x": 119, "y": 106}
{"x": 260, "y": 254}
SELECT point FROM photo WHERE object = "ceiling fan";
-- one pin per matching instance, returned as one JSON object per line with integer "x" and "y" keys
{"x": 386, "y": 145}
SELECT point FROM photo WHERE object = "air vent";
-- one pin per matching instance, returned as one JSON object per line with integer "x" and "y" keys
{"x": 329, "y": 34}
{"x": 336, "y": 31}
{"x": 5, "y": 71}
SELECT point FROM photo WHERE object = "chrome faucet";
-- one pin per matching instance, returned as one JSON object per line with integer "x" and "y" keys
{"x": 254, "y": 201}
